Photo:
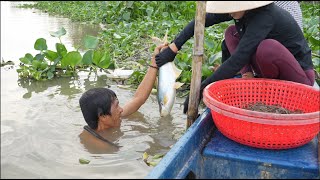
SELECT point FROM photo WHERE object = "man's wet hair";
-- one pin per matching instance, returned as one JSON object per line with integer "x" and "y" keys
{"x": 96, "y": 102}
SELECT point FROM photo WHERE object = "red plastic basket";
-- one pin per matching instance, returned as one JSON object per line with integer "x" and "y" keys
{"x": 226, "y": 98}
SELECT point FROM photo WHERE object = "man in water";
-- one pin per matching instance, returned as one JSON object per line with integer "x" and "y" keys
{"x": 101, "y": 110}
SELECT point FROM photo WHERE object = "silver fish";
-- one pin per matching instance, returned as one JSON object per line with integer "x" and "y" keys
{"x": 167, "y": 85}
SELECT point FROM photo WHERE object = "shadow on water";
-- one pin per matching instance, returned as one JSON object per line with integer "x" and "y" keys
{"x": 161, "y": 131}
{"x": 163, "y": 138}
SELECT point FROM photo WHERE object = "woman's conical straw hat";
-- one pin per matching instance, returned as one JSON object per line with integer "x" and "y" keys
{"x": 233, "y": 6}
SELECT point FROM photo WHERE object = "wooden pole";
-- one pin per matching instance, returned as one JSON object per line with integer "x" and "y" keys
{"x": 196, "y": 63}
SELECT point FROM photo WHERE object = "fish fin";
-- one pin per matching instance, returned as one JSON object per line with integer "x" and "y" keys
{"x": 178, "y": 85}
{"x": 165, "y": 100}
{"x": 157, "y": 41}
{"x": 177, "y": 71}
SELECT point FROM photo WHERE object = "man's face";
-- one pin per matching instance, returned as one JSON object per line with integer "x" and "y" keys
{"x": 116, "y": 111}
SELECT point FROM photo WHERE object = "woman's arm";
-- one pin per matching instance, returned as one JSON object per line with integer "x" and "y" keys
{"x": 169, "y": 54}
{"x": 144, "y": 89}
{"x": 188, "y": 31}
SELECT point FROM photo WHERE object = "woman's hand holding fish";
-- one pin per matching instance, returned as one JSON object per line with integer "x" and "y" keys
{"x": 156, "y": 52}
{"x": 167, "y": 55}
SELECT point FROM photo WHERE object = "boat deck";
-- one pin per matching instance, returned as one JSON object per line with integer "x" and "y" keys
{"x": 240, "y": 161}
{"x": 203, "y": 152}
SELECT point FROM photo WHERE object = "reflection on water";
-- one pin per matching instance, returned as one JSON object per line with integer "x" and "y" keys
{"x": 67, "y": 86}
{"x": 41, "y": 123}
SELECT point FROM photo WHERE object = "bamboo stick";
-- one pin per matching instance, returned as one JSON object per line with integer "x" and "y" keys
{"x": 196, "y": 63}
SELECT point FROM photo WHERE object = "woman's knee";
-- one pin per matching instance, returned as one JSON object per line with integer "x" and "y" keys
{"x": 270, "y": 48}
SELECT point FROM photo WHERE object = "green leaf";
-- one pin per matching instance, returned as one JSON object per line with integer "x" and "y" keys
{"x": 61, "y": 49}
{"x": 36, "y": 75}
{"x": 52, "y": 68}
{"x": 154, "y": 162}
{"x": 186, "y": 76}
{"x": 316, "y": 63}
{"x": 206, "y": 71}
{"x": 97, "y": 55}
{"x": 36, "y": 64}
{"x": 50, "y": 75}
{"x": 142, "y": 61}
{"x": 43, "y": 65}
{"x": 145, "y": 156}
{"x": 149, "y": 11}
{"x": 116, "y": 36}
{"x": 209, "y": 44}
{"x": 72, "y": 58}
{"x": 157, "y": 156}
{"x": 312, "y": 29}
{"x": 40, "y": 44}
{"x": 56, "y": 61}
{"x": 51, "y": 55}
{"x": 83, "y": 161}
{"x": 214, "y": 58}
{"x": 58, "y": 33}
{"x": 27, "y": 59}
{"x": 183, "y": 65}
{"x": 39, "y": 57}
{"x": 126, "y": 16}
{"x": 19, "y": 70}
{"x": 24, "y": 71}
{"x": 129, "y": 4}
{"x": 102, "y": 60}
{"x": 105, "y": 61}
{"x": 314, "y": 41}
{"x": 87, "y": 58}
{"x": 91, "y": 42}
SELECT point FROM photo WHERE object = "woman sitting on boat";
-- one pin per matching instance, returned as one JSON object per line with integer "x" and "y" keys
{"x": 265, "y": 41}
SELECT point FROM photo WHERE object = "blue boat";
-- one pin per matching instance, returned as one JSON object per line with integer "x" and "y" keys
{"x": 204, "y": 153}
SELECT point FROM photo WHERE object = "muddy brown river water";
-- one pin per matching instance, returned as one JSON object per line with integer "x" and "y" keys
{"x": 41, "y": 121}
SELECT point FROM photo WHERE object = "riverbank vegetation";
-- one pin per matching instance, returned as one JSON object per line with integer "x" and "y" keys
{"x": 127, "y": 28}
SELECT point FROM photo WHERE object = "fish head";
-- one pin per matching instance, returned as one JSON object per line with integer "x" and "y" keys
{"x": 166, "y": 102}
